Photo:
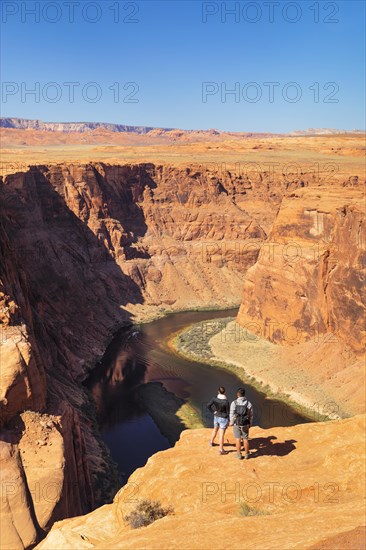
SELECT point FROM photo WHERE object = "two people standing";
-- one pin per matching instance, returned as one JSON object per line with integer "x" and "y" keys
{"x": 239, "y": 415}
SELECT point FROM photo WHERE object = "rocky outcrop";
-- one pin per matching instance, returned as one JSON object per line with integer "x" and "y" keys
{"x": 306, "y": 292}
{"x": 264, "y": 498}
{"x": 40, "y": 478}
{"x": 309, "y": 278}
{"x": 44, "y": 475}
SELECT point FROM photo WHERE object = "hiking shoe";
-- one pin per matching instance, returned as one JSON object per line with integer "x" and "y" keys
{"x": 247, "y": 456}
{"x": 238, "y": 456}
{"x": 222, "y": 452}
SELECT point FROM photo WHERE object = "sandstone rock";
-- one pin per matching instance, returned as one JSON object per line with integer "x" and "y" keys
{"x": 18, "y": 373}
{"x": 18, "y": 525}
{"x": 283, "y": 480}
{"x": 22, "y": 374}
{"x": 308, "y": 280}
{"x": 349, "y": 540}
{"x": 85, "y": 249}
{"x": 45, "y": 476}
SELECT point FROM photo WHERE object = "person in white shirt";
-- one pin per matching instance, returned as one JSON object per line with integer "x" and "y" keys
{"x": 241, "y": 417}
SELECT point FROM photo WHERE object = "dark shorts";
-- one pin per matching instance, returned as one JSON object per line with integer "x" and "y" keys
{"x": 241, "y": 432}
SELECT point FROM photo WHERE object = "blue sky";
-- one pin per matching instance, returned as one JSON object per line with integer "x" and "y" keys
{"x": 161, "y": 55}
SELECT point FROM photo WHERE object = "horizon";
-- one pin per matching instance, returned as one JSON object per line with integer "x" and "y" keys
{"x": 170, "y": 128}
{"x": 187, "y": 65}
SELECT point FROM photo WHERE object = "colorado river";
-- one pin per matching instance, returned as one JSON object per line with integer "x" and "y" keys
{"x": 138, "y": 356}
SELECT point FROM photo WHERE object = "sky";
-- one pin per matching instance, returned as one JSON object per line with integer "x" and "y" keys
{"x": 261, "y": 66}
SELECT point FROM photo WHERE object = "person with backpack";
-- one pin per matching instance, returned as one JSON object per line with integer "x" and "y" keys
{"x": 241, "y": 417}
{"x": 220, "y": 407}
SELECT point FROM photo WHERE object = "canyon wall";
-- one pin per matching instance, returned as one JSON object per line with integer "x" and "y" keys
{"x": 172, "y": 238}
{"x": 84, "y": 250}
{"x": 88, "y": 248}
{"x": 309, "y": 278}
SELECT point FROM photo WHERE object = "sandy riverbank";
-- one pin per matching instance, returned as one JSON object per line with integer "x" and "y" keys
{"x": 285, "y": 373}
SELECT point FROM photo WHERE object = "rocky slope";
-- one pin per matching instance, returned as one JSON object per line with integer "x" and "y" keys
{"x": 295, "y": 485}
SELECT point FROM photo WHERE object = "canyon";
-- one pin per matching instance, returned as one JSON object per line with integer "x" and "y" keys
{"x": 86, "y": 248}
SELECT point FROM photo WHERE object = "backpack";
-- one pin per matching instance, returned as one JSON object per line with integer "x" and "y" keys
{"x": 241, "y": 416}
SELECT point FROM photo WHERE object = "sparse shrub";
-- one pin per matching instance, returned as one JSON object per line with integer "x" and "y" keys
{"x": 246, "y": 510}
{"x": 146, "y": 512}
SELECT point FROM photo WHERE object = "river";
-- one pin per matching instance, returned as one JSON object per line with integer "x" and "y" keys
{"x": 139, "y": 355}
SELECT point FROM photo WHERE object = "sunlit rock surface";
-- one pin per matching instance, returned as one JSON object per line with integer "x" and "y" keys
{"x": 306, "y": 480}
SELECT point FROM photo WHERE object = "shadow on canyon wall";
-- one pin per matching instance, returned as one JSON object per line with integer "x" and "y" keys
{"x": 64, "y": 277}
{"x": 63, "y": 296}
{"x": 73, "y": 283}
{"x": 68, "y": 287}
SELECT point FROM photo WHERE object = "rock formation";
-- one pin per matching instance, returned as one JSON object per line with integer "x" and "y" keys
{"x": 295, "y": 486}
{"x": 170, "y": 237}
{"x": 23, "y": 123}
{"x": 85, "y": 249}
{"x": 309, "y": 277}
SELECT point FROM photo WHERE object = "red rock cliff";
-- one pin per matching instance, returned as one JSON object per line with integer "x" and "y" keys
{"x": 309, "y": 277}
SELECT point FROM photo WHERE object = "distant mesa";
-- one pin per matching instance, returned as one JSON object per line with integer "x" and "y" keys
{"x": 24, "y": 124}
{"x": 83, "y": 127}
{"x": 323, "y": 132}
